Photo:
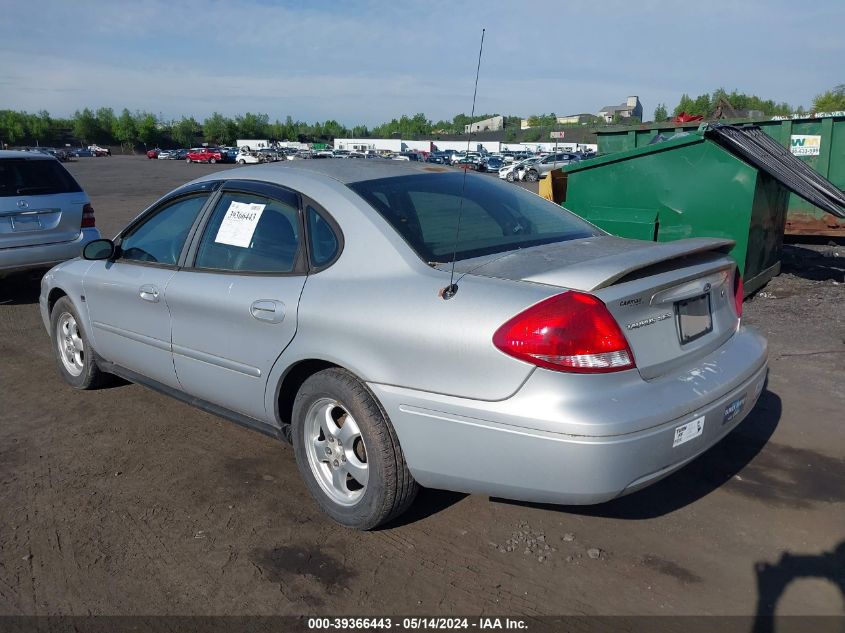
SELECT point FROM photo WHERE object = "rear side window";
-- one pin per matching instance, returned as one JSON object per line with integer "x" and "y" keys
{"x": 324, "y": 243}
{"x": 34, "y": 177}
{"x": 495, "y": 217}
{"x": 251, "y": 233}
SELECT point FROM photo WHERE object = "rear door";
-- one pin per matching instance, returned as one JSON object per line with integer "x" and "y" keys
{"x": 234, "y": 308}
{"x": 40, "y": 202}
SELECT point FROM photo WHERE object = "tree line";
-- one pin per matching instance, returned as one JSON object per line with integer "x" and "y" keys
{"x": 141, "y": 128}
{"x": 707, "y": 104}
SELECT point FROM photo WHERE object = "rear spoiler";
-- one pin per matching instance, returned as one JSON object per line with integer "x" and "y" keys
{"x": 606, "y": 271}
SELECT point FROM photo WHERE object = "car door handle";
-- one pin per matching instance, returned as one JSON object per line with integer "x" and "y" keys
{"x": 268, "y": 310}
{"x": 148, "y": 292}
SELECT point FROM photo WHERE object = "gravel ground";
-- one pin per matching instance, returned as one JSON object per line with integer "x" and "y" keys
{"x": 123, "y": 501}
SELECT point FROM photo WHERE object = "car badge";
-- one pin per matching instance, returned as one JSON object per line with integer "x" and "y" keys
{"x": 23, "y": 204}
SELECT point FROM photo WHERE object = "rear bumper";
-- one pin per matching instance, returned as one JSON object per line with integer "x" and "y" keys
{"x": 511, "y": 449}
{"x": 45, "y": 255}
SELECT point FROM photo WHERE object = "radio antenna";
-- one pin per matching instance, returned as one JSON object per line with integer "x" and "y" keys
{"x": 449, "y": 291}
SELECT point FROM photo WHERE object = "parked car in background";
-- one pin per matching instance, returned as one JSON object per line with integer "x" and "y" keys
{"x": 470, "y": 163}
{"x": 247, "y": 157}
{"x": 96, "y": 150}
{"x": 491, "y": 163}
{"x": 179, "y": 154}
{"x": 572, "y": 385}
{"x": 459, "y": 156}
{"x": 204, "y": 155}
{"x": 271, "y": 155}
{"x": 153, "y": 153}
{"x": 441, "y": 158}
{"x": 511, "y": 172}
{"x": 535, "y": 171}
{"x": 45, "y": 216}
{"x": 166, "y": 154}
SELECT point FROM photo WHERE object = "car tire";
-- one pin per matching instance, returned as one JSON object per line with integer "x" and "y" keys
{"x": 358, "y": 476}
{"x": 532, "y": 176}
{"x": 241, "y": 162}
{"x": 75, "y": 357}
{"x": 509, "y": 176}
{"x": 188, "y": 160}
{"x": 212, "y": 160}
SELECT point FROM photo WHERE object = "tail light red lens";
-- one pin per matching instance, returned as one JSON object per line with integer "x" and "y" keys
{"x": 738, "y": 293}
{"x": 572, "y": 332}
{"x": 88, "y": 217}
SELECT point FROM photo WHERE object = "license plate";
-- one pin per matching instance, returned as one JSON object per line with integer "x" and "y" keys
{"x": 25, "y": 222}
{"x": 688, "y": 431}
{"x": 694, "y": 318}
{"x": 733, "y": 409}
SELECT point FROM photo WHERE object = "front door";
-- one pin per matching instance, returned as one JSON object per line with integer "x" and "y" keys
{"x": 234, "y": 310}
{"x": 126, "y": 297}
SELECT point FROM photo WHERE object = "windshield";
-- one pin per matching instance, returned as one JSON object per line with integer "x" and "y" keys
{"x": 495, "y": 217}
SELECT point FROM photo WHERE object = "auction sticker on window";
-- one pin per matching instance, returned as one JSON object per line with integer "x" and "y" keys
{"x": 239, "y": 224}
{"x": 688, "y": 431}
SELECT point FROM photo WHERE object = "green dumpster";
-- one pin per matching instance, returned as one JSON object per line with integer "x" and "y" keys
{"x": 817, "y": 140}
{"x": 717, "y": 181}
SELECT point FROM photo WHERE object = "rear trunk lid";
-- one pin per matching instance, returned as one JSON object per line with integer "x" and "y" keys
{"x": 40, "y": 202}
{"x": 673, "y": 301}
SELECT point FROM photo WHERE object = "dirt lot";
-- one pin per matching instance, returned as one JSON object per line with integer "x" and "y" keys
{"x": 123, "y": 501}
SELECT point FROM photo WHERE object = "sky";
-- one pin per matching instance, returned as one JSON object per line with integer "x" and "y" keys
{"x": 370, "y": 61}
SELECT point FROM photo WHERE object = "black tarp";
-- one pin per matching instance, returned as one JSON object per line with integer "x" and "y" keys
{"x": 757, "y": 148}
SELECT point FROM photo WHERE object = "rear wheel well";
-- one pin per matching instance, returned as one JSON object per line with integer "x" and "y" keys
{"x": 55, "y": 295}
{"x": 291, "y": 383}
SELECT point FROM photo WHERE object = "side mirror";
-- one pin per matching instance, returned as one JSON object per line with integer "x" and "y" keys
{"x": 98, "y": 249}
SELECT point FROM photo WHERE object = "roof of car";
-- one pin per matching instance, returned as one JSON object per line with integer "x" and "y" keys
{"x": 349, "y": 171}
{"x": 13, "y": 153}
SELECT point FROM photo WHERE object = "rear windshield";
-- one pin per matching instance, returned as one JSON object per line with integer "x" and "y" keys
{"x": 496, "y": 217}
{"x": 34, "y": 177}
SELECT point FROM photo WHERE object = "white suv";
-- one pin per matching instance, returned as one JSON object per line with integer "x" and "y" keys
{"x": 45, "y": 216}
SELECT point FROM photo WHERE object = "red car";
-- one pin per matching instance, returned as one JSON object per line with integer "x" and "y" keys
{"x": 153, "y": 153}
{"x": 204, "y": 155}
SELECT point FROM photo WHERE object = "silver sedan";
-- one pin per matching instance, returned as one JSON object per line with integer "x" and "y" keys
{"x": 316, "y": 302}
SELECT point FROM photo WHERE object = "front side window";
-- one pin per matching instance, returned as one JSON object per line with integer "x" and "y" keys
{"x": 251, "y": 233}
{"x": 495, "y": 217}
{"x": 160, "y": 238}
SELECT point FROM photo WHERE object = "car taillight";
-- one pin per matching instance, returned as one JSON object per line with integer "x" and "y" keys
{"x": 88, "y": 221}
{"x": 738, "y": 294}
{"x": 572, "y": 332}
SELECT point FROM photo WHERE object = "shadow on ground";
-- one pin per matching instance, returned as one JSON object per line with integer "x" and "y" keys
{"x": 773, "y": 579}
{"x": 21, "y": 288}
{"x": 427, "y": 503}
{"x": 814, "y": 265}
